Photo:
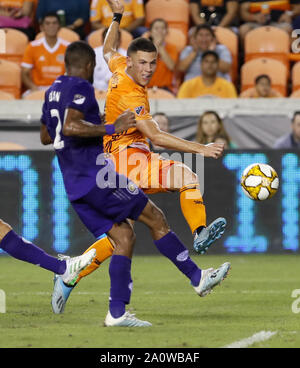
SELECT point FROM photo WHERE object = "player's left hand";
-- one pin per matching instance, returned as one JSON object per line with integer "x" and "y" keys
{"x": 116, "y": 6}
{"x": 214, "y": 150}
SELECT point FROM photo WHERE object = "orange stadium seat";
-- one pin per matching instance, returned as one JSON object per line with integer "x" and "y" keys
{"x": 6, "y": 96}
{"x": 267, "y": 41}
{"x": 175, "y": 37}
{"x": 10, "y": 78}
{"x": 95, "y": 38}
{"x": 296, "y": 76}
{"x": 295, "y": 94}
{"x": 174, "y": 12}
{"x": 64, "y": 33}
{"x": 15, "y": 45}
{"x": 36, "y": 95}
{"x": 159, "y": 93}
{"x": 275, "y": 69}
{"x": 228, "y": 38}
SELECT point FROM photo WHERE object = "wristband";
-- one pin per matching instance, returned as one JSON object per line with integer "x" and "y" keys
{"x": 110, "y": 129}
{"x": 117, "y": 17}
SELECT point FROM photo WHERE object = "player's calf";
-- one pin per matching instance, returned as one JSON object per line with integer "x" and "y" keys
{"x": 4, "y": 229}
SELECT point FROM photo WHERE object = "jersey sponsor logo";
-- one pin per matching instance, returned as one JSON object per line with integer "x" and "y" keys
{"x": 140, "y": 110}
{"x": 78, "y": 99}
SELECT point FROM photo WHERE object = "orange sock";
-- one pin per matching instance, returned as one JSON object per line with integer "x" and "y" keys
{"x": 192, "y": 206}
{"x": 104, "y": 249}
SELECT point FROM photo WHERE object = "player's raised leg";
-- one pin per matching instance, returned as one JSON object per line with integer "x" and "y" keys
{"x": 171, "y": 247}
{"x": 26, "y": 251}
{"x": 182, "y": 178}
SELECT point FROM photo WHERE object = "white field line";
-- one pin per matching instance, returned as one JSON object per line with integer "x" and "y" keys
{"x": 258, "y": 337}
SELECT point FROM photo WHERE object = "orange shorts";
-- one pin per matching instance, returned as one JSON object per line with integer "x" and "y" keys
{"x": 147, "y": 169}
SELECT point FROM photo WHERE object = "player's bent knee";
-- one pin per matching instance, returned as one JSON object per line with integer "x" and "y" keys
{"x": 4, "y": 229}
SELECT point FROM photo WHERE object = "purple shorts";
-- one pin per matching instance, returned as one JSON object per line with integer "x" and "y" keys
{"x": 100, "y": 208}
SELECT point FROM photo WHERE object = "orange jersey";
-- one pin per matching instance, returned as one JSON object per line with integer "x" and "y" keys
{"x": 46, "y": 63}
{"x": 123, "y": 93}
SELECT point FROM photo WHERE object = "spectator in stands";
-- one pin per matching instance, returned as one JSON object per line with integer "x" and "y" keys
{"x": 74, "y": 14}
{"x": 217, "y": 13}
{"x": 292, "y": 139}
{"x": 279, "y": 14}
{"x": 163, "y": 122}
{"x": 262, "y": 89}
{"x": 211, "y": 129}
{"x": 167, "y": 56}
{"x": 102, "y": 74}
{"x": 18, "y": 14}
{"x": 43, "y": 59}
{"x": 133, "y": 19}
{"x": 208, "y": 84}
{"x": 204, "y": 39}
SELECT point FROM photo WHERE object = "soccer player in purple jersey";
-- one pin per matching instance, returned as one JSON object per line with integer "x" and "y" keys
{"x": 71, "y": 121}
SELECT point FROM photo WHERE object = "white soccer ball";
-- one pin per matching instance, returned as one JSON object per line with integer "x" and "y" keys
{"x": 259, "y": 181}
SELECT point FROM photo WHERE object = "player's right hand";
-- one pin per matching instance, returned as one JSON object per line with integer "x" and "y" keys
{"x": 125, "y": 121}
{"x": 116, "y": 6}
{"x": 214, "y": 150}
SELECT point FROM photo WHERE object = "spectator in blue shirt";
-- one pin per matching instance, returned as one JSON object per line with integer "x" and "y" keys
{"x": 292, "y": 139}
{"x": 76, "y": 13}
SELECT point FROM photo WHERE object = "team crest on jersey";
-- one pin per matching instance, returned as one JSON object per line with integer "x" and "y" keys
{"x": 78, "y": 99}
{"x": 132, "y": 188}
{"x": 140, "y": 110}
{"x": 60, "y": 58}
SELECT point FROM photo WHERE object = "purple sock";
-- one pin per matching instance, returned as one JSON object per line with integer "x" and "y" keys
{"x": 25, "y": 251}
{"x": 171, "y": 247}
{"x": 120, "y": 284}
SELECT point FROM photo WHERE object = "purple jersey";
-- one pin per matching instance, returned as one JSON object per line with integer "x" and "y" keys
{"x": 76, "y": 156}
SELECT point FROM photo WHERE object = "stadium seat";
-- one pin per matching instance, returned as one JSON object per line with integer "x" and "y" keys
{"x": 275, "y": 69}
{"x": 10, "y": 146}
{"x": 15, "y": 45}
{"x": 174, "y": 12}
{"x": 64, "y": 33}
{"x": 296, "y": 76}
{"x": 159, "y": 93}
{"x": 6, "y": 96}
{"x": 36, "y": 95}
{"x": 295, "y": 94}
{"x": 95, "y": 38}
{"x": 228, "y": 38}
{"x": 10, "y": 78}
{"x": 175, "y": 37}
{"x": 100, "y": 95}
{"x": 267, "y": 41}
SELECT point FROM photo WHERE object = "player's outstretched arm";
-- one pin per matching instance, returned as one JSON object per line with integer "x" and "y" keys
{"x": 151, "y": 130}
{"x": 76, "y": 126}
{"x": 111, "y": 40}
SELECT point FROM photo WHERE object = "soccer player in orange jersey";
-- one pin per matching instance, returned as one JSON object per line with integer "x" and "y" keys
{"x": 130, "y": 150}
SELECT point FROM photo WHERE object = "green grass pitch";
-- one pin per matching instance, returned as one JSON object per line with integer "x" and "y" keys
{"x": 256, "y": 296}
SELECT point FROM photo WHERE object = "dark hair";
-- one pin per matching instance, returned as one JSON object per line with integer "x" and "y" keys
{"x": 78, "y": 54}
{"x": 262, "y": 76}
{"x": 50, "y": 14}
{"x": 295, "y": 114}
{"x": 205, "y": 26}
{"x": 158, "y": 20}
{"x": 210, "y": 52}
{"x": 141, "y": 44}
